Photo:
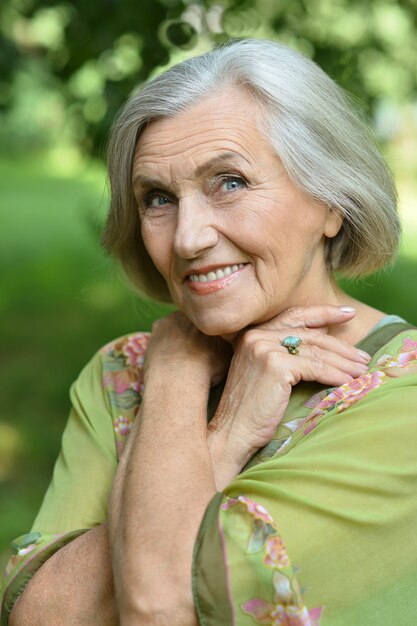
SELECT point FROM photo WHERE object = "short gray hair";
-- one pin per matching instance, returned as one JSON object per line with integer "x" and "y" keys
{"x": 327, "y": 150}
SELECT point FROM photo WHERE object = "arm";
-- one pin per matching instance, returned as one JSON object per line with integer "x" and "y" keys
{"x": 76, "y": 501}
{"x": 167, "y": 455}
{"x": 75, "y": 582}
{"x": 73, "y": 502}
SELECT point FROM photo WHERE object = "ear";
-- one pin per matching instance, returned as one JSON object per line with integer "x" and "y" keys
{"x": 333, "y": 223}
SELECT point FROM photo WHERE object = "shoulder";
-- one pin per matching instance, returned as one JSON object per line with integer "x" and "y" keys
{"x": 114, "y": 380}
{"x": 126, "y": 350}
{"x": 401, "y": 349}
{"x": 122, "y": 368}
{"x": 122, "y": 355}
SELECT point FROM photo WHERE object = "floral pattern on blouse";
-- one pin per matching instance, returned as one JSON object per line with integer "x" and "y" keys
{"x": 300, "y": 423}
{"x": 22, "y": 546}
{"x": 123, "y": 382}
{"x": 387, "y": 366}
{"x": 285, "y": 606}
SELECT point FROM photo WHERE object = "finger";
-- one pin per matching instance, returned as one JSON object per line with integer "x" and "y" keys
{"x": 313, "y": 337}
{"x": 291, "y": 370}
{"x": 343, "y": 364}
{"x": 322, "y": 372}
{"x": 259, "y": 347}
{"x": 310, "y": 317}
{"x": 334, "y": 345}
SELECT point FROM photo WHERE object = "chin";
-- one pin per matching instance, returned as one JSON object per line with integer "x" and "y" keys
{"x": 218, "y": 327}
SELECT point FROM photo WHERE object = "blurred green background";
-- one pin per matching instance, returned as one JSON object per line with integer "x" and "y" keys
{"x": 65, "y": 69}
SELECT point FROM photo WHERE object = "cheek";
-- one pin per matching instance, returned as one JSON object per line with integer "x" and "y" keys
{"x": 158, "y": 246}
{"x": 280, "y": 236}
{"x": 261, "y": 227}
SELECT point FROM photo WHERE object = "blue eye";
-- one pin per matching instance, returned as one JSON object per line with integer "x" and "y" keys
{"x": 156, "y": 201}
{"x": 232, "y": 183}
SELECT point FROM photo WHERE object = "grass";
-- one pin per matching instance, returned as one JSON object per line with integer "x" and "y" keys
{"x": 61, "y": 300}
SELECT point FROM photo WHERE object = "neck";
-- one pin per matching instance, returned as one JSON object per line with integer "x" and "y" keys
{"x": 320, "y": 287}
{"x": 357, "y": 328}
{"x": 329, "y": 292}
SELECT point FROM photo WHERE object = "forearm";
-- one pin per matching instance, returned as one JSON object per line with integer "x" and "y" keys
{"x": 74, "y": 586}
{"x": 163, "y": 486}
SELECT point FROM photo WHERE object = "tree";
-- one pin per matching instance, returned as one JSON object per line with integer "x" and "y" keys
{"x": 86, "y": 58}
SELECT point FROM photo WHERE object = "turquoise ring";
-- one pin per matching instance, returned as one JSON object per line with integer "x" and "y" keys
{"x": 291, "y": 343}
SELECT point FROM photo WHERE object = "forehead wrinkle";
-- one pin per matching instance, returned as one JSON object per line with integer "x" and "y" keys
{"x": 166, "y": 146}
{"x": 169, "y": 148}
{"x": 228, "y": 157}
{"x": 171, "y": 136}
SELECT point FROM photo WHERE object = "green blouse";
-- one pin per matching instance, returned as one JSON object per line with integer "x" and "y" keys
{"x": 318, "y": 529}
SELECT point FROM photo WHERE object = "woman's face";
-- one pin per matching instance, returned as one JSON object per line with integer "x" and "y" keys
{"x": 235, "y": 240}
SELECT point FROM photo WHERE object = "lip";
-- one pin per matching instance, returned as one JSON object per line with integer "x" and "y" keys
{"x": 213, "y": 285}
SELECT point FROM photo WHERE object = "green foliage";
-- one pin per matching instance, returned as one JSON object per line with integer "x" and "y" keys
{"x": 67, "y": 67}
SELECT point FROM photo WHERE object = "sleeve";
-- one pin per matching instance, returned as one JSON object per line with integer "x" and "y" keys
{"x": 76, "y": 499}
{"x": 325, "y": 533}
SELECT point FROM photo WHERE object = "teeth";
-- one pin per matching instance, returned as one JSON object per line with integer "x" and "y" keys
{"x": 215, "y": 275}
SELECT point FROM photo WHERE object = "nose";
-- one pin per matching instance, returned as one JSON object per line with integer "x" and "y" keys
{"x": 196, "y": 231}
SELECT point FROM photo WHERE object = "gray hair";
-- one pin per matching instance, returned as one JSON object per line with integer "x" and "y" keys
{"x": 326, "y": 149}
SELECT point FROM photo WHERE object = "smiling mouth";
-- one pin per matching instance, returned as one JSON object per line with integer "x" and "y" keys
{"x": 216, "y": 274}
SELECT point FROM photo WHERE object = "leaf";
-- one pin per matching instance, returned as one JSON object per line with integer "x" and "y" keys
{"x": 114, "y": 364}
{"x": 259, "y": 536}
{"x": 312, "y": 402}
{"x": 24, "y": 541}
{"x": 125, "y": 400}
{"x": 273, "y": 446}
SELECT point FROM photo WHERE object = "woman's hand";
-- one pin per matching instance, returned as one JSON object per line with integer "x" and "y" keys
{"x": 262, "y": 374}
{"x": 175, "y": 343}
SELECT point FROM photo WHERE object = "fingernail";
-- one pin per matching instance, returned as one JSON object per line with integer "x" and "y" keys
{"x": 347, "y": 309}
{"x": 364, "y": 355}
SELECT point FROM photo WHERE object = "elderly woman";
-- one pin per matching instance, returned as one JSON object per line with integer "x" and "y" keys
{"x": 270, "y": 473}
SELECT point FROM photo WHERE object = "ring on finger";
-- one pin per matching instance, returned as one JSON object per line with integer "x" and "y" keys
{"x": 292, "y": 344}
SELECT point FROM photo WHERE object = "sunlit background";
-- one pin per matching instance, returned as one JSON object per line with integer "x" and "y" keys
{"x": 65, "y": 68}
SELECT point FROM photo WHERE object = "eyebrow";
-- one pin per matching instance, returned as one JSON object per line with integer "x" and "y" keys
{"x": 219, "y": 160}
{"x": 150, "y": 182}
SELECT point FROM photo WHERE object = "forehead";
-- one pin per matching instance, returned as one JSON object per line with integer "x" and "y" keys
{"x": 224, "y": 123}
